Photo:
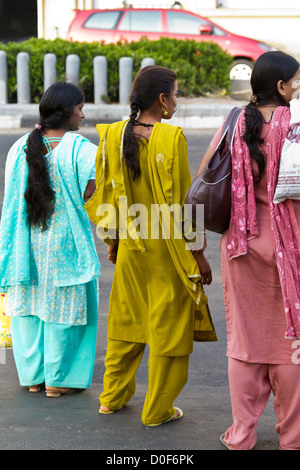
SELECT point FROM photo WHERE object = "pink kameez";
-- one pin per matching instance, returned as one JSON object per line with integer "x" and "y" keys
{"x": 256, "y": 321}
{"x": 261, "y": 302}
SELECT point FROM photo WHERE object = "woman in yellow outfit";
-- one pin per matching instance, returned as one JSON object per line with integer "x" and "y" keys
{"x": 142, "y": 165}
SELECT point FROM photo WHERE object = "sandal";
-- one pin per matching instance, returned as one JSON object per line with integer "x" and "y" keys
{"x": 56, "y": 392}
{"x": 224, "y": 442}
{"x": 35, "y": 388}
{"x": 107, "y": 411}
{"x": 177, "y": 415}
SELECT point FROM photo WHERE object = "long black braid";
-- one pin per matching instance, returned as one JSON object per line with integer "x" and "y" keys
{"x": 147, "y": 86}
{"x": 131, "y": 143}
{"x": 56, "y": 108}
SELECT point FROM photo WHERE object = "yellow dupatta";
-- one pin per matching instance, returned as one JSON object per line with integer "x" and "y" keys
{"x": 167, "y": 170}
{"x": 111, "y": 193}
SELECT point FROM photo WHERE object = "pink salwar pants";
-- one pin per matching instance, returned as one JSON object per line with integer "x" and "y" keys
{"x": 250, "y": 389}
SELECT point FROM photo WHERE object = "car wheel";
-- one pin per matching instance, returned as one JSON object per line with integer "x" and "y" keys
{"x": 240, "y": 74}
{"x": 241, "y": 69}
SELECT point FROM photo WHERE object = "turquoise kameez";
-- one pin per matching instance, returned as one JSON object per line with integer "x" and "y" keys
{"x": 51, "y": 277}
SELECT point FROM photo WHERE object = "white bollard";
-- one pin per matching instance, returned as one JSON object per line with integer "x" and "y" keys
{"x": 100, "y": 79}
{"x": 50, "y": 73}
{"x": 72, "y": 69}
{"x": 147, "y": 61}
{"x": 125, "y": 79}
{"x": 23, "y": 78}
{"x": 3, "y": 78}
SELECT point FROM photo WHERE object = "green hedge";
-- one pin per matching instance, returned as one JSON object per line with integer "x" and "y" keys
{"x": 202, "y": 67}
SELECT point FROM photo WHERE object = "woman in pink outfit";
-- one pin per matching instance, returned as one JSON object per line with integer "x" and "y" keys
{"x": 258, "y": 252}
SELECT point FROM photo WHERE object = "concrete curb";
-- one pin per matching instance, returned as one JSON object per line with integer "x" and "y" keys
{"x": 198, "y": 113}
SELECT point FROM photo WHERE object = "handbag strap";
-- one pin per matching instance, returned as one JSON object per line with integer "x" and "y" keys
{"x": 230, "y": 125}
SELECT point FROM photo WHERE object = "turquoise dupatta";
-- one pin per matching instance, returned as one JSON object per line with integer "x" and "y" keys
{"x": 77, "y": 260}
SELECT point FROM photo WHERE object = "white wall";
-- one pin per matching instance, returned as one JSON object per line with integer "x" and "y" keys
{"x": 273, "y": 21}
{"x": 55, "y": 16}
{"x": 257, "y": 4}
{"x": 277, "y": 28}
{"x": 202, "y": 5}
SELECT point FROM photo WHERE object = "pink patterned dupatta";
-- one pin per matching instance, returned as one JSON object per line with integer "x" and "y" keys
{"x": 243, "y": 223}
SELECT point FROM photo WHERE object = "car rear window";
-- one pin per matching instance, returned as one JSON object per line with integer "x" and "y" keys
{"x": 148, "y": 21}
{"x": 103, "y": 20}
{"x": 183, "y": 23}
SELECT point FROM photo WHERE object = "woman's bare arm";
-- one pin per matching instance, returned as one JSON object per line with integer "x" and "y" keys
{"x": 206, "y": 157}
{"x": 210, "y": 151}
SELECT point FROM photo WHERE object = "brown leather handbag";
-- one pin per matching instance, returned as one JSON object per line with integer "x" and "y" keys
{"x": 213, "y": 186}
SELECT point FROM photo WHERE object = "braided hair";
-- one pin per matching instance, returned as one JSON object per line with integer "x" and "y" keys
{"x": 148, "y": 84}
{"x": 56, "y": 108}
{"x": 269, "y": 69}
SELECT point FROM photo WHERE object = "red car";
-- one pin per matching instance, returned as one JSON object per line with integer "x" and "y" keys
{"x": 131, "y": 24}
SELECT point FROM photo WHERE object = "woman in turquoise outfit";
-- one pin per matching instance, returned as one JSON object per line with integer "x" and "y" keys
{"x": 48, "y": 261}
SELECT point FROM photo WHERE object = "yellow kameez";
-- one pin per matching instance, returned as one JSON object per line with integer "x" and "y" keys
{"x": 156, "y": 284}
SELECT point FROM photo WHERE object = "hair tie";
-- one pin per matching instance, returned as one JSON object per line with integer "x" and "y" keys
{"x": 38, "y": 126}
{"x": 254, "y": 99}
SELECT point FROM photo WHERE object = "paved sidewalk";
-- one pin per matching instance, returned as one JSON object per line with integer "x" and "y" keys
{"x": 34, "y": 422}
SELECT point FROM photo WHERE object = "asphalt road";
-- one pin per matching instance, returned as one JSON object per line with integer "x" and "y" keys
{"x": 34, "y": 422}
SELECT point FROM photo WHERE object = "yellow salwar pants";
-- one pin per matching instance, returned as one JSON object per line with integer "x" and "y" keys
{"x": 166, "y": 378}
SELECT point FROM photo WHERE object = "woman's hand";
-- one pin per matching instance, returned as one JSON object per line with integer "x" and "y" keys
{"x": 204, "y": 267}
{"x": 112, "y": 253}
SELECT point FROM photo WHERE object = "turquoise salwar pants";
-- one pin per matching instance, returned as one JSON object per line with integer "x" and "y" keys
{"x": 56, "y": 354}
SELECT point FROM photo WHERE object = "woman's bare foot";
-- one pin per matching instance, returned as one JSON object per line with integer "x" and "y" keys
{"x": 105, "y": 411}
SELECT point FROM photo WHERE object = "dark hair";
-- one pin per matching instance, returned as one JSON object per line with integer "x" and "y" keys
{"x": 56, "y": 108}
{"x": 148, "y": 84}
{"x": 268, "y": 70}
